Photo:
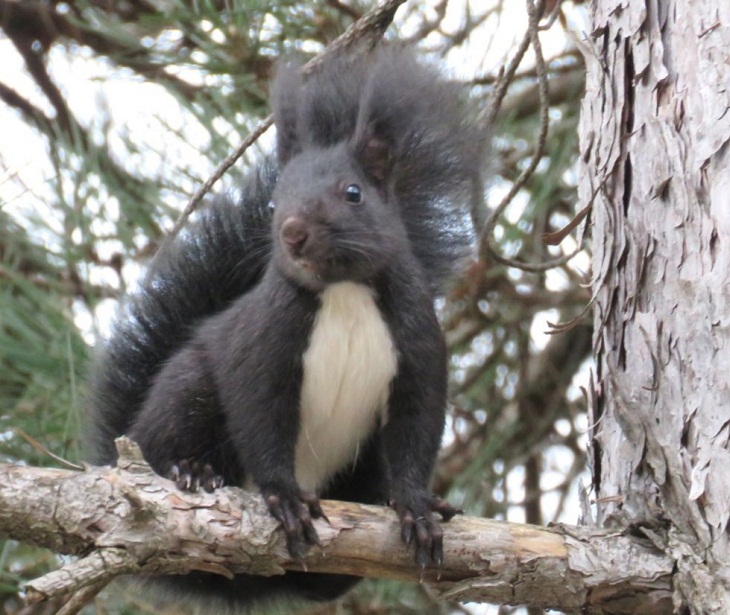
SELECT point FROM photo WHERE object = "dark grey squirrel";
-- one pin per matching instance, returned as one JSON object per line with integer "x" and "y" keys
{"x": 288, "y": 339}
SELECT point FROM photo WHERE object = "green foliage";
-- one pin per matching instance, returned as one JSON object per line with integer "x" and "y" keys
{"x": 41, "y": 350}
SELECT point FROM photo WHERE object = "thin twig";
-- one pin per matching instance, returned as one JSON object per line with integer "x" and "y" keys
{"x": 44, "y": 451}
{"x": 227, "y": 163}
{"x": 489, "y": 113}
{"x": 534, "y": 267}
{"x": 555, "y": 69}
{"x": 534, "y": 11}
{"x": 552, "y": 16}
{"x": 504, "y": 79}
{"x": 429, "y": 25}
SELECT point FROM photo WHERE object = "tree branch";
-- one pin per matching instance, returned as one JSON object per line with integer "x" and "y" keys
{"x": 29, "y": 21}
{"x": 130, "y": 520}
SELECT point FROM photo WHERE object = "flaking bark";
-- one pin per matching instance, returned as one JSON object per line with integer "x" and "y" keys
{"x": 655, "y": 127}
{"x": 127, "y": 520}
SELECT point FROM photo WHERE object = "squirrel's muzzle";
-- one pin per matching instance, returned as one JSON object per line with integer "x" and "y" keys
{"x": 294, "y": 234}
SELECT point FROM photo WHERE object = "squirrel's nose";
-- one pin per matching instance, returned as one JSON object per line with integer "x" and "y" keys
{"x": 294, "y": 234}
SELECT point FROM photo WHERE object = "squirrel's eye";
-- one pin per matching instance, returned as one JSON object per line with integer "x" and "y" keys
{"x": 353, "y": 194}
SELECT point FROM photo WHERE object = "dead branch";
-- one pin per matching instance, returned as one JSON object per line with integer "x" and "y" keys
{"x": 128, "y": 520}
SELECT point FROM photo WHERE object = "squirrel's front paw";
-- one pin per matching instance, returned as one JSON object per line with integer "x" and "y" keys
{"x": 417, "y": 523}
{"x": 191, "y": 475}
{"x": 295, "y": 509}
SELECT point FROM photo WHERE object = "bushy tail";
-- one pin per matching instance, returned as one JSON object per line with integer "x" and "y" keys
{"x": 215, "y": 259}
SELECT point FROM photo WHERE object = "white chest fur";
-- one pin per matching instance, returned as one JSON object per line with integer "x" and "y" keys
{"x": 348, "y": 369}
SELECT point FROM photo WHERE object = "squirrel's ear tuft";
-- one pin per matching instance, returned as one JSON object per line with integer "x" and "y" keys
{"x": 374, "y": 155}
{"x": 285, "y": 94}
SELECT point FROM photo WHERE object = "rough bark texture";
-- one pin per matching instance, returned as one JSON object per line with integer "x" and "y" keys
{"x": 654, "y": 142}
{"x": 127, "y": 520}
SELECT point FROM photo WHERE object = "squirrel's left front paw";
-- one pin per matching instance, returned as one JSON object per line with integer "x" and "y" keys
{"x": 418, "y": 524}
{"x": 295, "y": 509}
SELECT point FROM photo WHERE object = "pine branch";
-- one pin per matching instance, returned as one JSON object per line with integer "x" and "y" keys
{"x": 131, "y": 521}
{"x": 30, "y": 21}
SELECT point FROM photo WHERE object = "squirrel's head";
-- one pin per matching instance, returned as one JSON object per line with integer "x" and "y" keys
{"x": 411, "y": 132}
{"x": 331, "y": 222}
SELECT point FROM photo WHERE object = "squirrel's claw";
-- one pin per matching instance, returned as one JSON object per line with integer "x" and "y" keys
{"x": 417, "y": 523}
{"x": 190, "y": 475}
{"x": 296, "y": 511}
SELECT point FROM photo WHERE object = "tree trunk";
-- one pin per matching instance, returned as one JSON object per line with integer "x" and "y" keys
{"x": 654, "y": 129}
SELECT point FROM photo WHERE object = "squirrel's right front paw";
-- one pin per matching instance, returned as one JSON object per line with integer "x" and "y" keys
{"x": 295, "y": 509}
{"x": 192, "y": 475}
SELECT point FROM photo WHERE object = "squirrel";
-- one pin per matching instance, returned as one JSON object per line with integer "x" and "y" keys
{"x": 288, "y": 339}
